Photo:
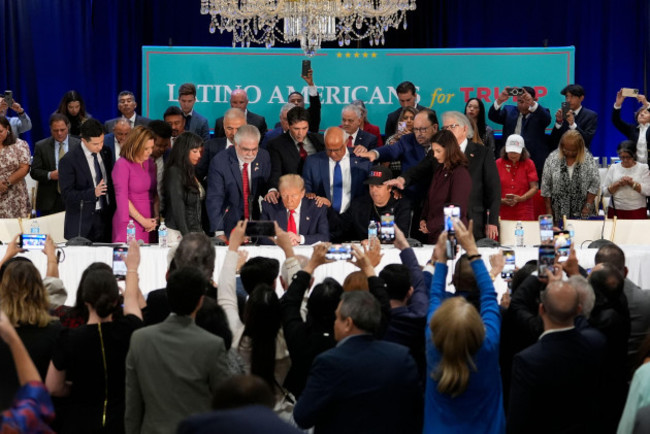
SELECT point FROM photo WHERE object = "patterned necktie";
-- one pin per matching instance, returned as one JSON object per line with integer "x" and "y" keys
{"x": 247, "y": 190}
{"x": 61, "y": 151}
{"x": 98, "y": 179}
{"x": 291, "y": 224}
{"x": 349, "y": 142}
{"x": 337, "y": 193}
{"x": 301, "y": 151}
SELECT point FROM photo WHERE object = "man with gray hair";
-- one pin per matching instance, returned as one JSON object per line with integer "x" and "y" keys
{"x": 355, "y": 137}
{"x": 114, "y": 140}
{"x": 233, "y": 119}
{"x": 283, "y": 125}
{"x": 239, "y": 99}
{"x": 236, "y": 180}
{"x": 363, "y": 384}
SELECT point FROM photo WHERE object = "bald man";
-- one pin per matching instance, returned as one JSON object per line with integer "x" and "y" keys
{"x": 239, "y": 99}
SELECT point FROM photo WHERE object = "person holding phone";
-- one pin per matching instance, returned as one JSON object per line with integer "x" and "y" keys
{"x": 637, "y": 132}
{"x": 573, "y": 116}
{"x": 20, "y": 124}
{"x": 627, "y": 184}
{"x": 519, "y": 182}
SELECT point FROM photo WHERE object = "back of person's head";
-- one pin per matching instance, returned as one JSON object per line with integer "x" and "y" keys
{"x": 185, "y": 287}
{"x": 355, "y": 281}
{"x": 363, "y": 309}
{"x": 160, "y": 128}
{"x": 91, "y": 128}
{"x": 22, "y": 295}
{"x": 79, "y": 309}
{"x": 242, "y": 390}
{"x": 586, "y": 294}
{"x": 398, "y": 280}
{"x": 262, "y": 318}
{"x": 99, "y": 290}
{"x": 611, "y": 254}
{"x": 196, "y": 250}
{"x": 463, "y": 278}
{"x": 561, "y": 303}
{"x": 521, "y": 274}
{"x": 259, "y": 270}
{"x": 212, "y": 318}
{"x": 607, "y": 281}
{"x": 457, "y": 332}
{"x": 322, "y": 304}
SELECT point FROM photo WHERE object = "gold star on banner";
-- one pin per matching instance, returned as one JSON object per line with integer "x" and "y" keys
{"x": 339, "y": 55}
{"x": 347, "y": 55}
{"x": 365, "y": 55}
{"x": 356, "y": 55}
{"x": 374, "y": 55}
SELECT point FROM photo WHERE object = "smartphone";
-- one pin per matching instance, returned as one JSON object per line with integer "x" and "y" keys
{"x": 509, "y": 267}
{"x": 306, "y": 66}
{"x": 119, "y": 266}
{"x": 546, "y": 228}
{"x": 629, "y": 92}
{"x": 545, "y": 260}
{"x": 515, "y": 91}
{"x": 562, "y": 243}
{"x": 9, "y": 98}
{"x": 451, "y": 212}
{"x": 261, "y": 228}
{"x": 32, "y": 241}
{"x": 387, "y": 229}
{"x": 565, "y": 109}
{"x": 401, "y": 126}
{"x": 339, "y": 252}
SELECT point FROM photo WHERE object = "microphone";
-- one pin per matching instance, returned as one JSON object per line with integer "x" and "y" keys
{"x": 79, "y": 240}
{"x": 217, "y": 241}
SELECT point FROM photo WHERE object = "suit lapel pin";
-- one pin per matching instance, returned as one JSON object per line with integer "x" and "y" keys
{"x": 306, "y": 218}
{"x": 257, "y": 166}
{"x": 471, "y": 155}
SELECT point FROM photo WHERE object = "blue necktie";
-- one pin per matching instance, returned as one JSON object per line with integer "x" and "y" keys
{"x": 98, "y": 178}
{"x": 337, "y": 194}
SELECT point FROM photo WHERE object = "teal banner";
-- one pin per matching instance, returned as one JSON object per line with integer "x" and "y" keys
{"x": 445, "y": 78}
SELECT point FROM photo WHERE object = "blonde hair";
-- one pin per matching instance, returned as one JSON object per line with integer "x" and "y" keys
{"x": 291, "y": 180}
{"x": 24, "y": 299}
{"x": 355, "y": 281}
{"x": 574, "y": 137}
{"x": 458, "y": 333}
{"x": 135, "y": 143}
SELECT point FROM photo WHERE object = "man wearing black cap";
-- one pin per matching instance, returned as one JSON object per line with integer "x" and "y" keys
{"x": 576, "y": 118}
{"x": 353, "y": 223}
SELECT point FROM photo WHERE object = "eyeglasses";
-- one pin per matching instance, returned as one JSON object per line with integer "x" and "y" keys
{"x": 450, "y": 127}
{"x": 421, "y": 130}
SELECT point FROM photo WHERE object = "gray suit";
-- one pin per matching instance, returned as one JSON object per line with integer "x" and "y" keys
{"x": 172, "y": 369}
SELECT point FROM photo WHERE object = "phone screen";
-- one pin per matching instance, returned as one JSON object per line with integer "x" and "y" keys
{"x": 32, "y": 241}
{"x": 260, "y": 229}
{"x": 339, "y": 252}
{"x": 306, "y": 66}
{"x": 562, "y": 242}
{"x": 451, "y": 212}
{"x": 509, "y": 267}
{"x": 119, "y": 266}
{"x": 546, "y": 259}
{"x": 546, "y": 228}
{"x": 387, "y": 229}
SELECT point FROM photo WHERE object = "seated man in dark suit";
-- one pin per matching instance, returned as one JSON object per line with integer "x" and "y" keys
{"x": 114, "y": 140}
{"x": 555, "y": 375}
{"x": 355, "y": 138}
{"x": 127, "y": 104}
{"x": 408, "y": 97}
{"x": 194, "y": 122}
{"x": 334, "y": 177}
{"x": 86, "y": 186}
{"x": 281, "y": 127}
{"x": 353, "y": 223}
{"x": 232, "y": 120}
{"x": 239, "y": 99}
{"x": 305, "y": 222}
{"x": 236, "y": 180}
{"x": 577, "y": 118}
{"x": 45, "y": 167}
{"x": 361, "y": 385}
{"x": 289, "y": 150}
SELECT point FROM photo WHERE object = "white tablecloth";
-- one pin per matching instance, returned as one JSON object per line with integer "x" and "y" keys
{"x": 153, "y": 264}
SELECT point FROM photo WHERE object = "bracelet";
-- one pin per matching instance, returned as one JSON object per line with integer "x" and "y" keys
{"x": 472, "y": 257}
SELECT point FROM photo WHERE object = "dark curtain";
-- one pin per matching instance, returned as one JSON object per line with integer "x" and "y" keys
{"x": 94, "y": 46}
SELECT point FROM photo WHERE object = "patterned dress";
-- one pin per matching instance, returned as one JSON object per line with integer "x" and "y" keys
{"x": 14, "y": 203}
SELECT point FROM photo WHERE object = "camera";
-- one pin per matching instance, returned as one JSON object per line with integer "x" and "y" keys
{"x": 515, "y": 91}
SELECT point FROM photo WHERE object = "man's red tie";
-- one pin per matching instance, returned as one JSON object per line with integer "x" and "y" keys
{"x": 247, "y": 190}
{"x": 301, "y": 151}
{"x": 291, "y": 225}
{"x": 349, "y": 142}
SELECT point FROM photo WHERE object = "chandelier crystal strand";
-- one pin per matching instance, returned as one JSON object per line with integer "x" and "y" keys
{"x": 308, "y": 21}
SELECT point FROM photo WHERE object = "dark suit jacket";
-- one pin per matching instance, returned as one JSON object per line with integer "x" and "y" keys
{"x": 353, "y": 223}
{"x": 631, "y": 131}
{"x": 533, "y": 130}
{"x": 314, "y": 111}
{"x": 139, "y": 120}
{"x": 362, "y": 386}
{"x": 77, "y": 186}
{"x": 365, "y": 139}
{"x": 43, "y": 163}
{"x": 270, "y": 135}
{"x": 210, "y": 148}
{"x": 198, "y": 124}
{"x": 313, "y": 220}
{"x": 409, "y": 152}
{"x": 109, "y": 142}
{"x": 157, "y": 308}
{"x": 225, "y": 189}
{"x": 241, "y": 420}
{"x": 486, "y": 185}
{"x": 251, "y": 119}
{"x": 391, "y": 120}
{"x": 586, "y": 123}
{"x": 557, "y": 377}
{"x": 285, "y": 157}
{"x": 316, "y": 174}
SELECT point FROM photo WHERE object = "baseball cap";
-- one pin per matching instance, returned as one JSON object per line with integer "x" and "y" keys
{"x": 515, "y": 143}
{"x": 378, "y": 174}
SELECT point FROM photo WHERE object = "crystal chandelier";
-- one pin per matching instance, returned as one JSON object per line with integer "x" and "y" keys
{"x": 309, "y": 21}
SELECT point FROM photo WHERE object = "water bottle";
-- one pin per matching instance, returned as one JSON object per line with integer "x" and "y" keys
{"x": 162, "y": 234}
{"x": 519, "y": 234}
{"x": 130, "y": 231}
{"x": 372, "y": 230}
{"x": 572, "y": 231}
{"x": 34, "y": 228}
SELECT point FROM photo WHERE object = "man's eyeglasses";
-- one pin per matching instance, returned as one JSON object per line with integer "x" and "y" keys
{"x": 421, "y": 130}
{"x": 450, "y": 127}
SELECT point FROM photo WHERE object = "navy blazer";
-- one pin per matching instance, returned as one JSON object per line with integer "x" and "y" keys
{"x": 270, "y": 135}
{"x": 210, "y": 148}
{"x": 109, "y": 142}
{"x": 198, "y": 124}
{"x": 78, "y": 186}
{"x": 285, "y": 157}
{"x": 316, "y": 174}
{"x": 313, "y": 220}
{"x": 251, "y": 119}
{"x": 362, "y": 386}
{"x": 407, "y": 150}
{"x": 586, "y": 123}
{"x": 240, "y": 420}
{"x": 365, "y": 139}
{"x": 225, "y": 194}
